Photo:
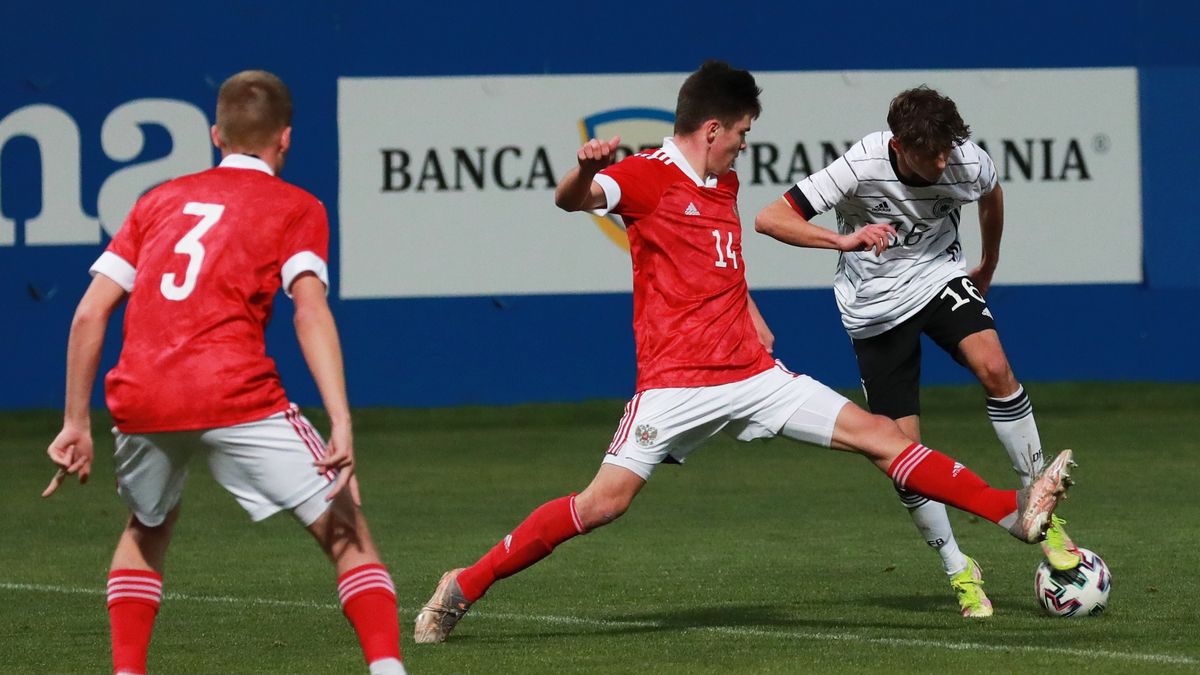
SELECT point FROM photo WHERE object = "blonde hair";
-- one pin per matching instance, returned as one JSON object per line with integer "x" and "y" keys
{"x": 253, "y": 106}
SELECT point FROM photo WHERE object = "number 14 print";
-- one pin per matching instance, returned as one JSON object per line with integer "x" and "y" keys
{"x": 724, "y": 257}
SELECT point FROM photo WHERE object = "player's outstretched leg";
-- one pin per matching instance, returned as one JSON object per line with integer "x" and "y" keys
{"x": 135, "y": 591}
{"x": 365, "y": 589}
{"x": 912, "y": 466}
{"x": 1025, "y": 513}
{"x": 551, "y": 524}
{"x": 548, "y": 526}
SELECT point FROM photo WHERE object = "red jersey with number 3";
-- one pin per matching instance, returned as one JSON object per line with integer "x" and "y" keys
{"x": 203, "y": 257}
{"x": 691, "y": 320}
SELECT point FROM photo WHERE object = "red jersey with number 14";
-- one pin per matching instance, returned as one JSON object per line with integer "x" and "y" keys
{"x": 691, "y": 320}
{"x": 202, "y": 257}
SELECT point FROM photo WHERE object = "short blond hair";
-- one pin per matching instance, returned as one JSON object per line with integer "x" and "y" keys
{"x": 253, "y": 106}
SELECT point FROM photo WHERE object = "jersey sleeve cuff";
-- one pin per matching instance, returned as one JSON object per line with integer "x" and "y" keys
{"x": 116, "y": 268}
{"x": 612, "y": 193}
{"x": 800, "y": 203}
{"x": 304, "y": 261}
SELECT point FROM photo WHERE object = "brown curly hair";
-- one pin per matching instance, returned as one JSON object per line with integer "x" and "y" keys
{"x": 924, "y": 120}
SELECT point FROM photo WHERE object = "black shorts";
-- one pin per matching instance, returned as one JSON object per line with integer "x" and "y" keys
{"x": 890, "y": 363}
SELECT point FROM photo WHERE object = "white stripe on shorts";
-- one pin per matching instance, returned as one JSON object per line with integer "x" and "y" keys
{"x": 626, "y": 421}
{"x": 309, "y": 435}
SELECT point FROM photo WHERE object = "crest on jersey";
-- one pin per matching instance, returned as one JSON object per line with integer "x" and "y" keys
{"x": 639, "y": 129}
{"x": 645, "y": 435}
{"x": 943, "y": 206}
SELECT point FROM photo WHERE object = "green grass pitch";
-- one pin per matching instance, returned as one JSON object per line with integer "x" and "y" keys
{"x": 768, "y": 557}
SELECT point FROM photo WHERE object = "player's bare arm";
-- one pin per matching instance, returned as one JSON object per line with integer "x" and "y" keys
{"x": 72, "y": 449}
{"x": 780, "y": 221}
{"x": 577, "y": 191}
{"x": 318, "y": 337}
{"x": 991, "y": 228}
{"x": 765, "y": 336}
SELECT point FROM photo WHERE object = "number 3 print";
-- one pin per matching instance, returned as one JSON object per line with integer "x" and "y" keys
{"x": 190, "y": 246}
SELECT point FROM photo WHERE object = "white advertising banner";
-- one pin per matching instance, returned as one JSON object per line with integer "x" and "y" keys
{"x": 446, "y": 184}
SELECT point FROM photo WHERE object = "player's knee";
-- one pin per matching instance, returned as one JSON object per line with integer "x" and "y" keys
{"x": 996, "y": 375}
{"x": 140, "y": 529}
{"x": 882, "y": 440}
{"x": 600, "y": 510}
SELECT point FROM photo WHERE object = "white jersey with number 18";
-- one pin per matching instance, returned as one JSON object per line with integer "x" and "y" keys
{"x": 863, "y": 186}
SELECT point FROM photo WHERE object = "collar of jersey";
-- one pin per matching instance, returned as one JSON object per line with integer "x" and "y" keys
{"x": 239, "y": 161}
{"x": 680, "y": 161}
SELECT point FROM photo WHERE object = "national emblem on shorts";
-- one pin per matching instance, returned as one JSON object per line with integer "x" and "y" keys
{"x": 644, "y": 435}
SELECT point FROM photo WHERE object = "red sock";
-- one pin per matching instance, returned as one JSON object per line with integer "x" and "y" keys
{"x": 931, "y": 474}
{"x": 133, "y": 600}
{"x": 368, "y": 600}
{"x": 548, "y": 526}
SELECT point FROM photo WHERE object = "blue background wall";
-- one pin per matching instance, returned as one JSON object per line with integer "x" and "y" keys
{"x": 87, "y": 59}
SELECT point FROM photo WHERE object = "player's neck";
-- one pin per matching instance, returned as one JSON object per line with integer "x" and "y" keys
{"x": 270, "y": 156}
{"x": 695, "y": 151}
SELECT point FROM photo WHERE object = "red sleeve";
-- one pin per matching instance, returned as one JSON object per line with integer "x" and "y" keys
{"x": 128, "y": 241}
{"x": 641, "y": 183}
{"x": 307, "y": 231}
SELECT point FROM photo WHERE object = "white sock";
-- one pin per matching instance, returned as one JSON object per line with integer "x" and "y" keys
{"x": 934, "y": 525}
{"x": 387, "y": 667}
{"x": 1012, "y": 418}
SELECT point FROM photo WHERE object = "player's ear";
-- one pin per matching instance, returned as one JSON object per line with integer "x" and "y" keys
{"x": 216, "y": 137}
{"x": 285, "y": 139}
{"x": 711, "y": 129}
{"x": 895, "y": 144}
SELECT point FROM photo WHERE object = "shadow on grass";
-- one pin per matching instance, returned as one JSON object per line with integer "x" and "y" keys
{"x": 885, "y": 614}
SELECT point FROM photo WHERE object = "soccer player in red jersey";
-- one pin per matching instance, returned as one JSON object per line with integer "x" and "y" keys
{"x": 200, "y": 259}
{"x": 703, "y": 349}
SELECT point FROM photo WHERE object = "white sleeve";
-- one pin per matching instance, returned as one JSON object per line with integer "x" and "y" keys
{"x": 612, "y": 193}
{"x": 116, "y": 268}
{"x": 304, "y": 261}
{"x": 986, "y": 181}
{"x": 826, "y": 188}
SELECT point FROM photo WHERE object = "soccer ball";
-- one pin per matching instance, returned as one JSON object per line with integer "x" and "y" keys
{"x": 1082, "y": 591}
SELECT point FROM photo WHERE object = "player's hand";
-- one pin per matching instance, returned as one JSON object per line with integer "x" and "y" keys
{"x": 982, "y": 277}
{"x": 765, "y": 336}
{"x": 874, "y": 237}
{"x": 597, "y": 154}
{"x": 339, "y": 457}
{"x": 72, "y": 452}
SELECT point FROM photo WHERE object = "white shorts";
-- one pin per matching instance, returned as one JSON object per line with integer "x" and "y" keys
{"x": 266, "y": 465}
{"x": 668, "y": 424}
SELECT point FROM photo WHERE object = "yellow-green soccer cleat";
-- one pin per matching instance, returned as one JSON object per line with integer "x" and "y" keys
{"x": 968, "y": 586}
{"x": 1061, "y": 552}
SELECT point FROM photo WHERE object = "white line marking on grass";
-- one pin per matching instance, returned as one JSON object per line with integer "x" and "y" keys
{"x": 736, "y": 631}
{"x": 41, "y": 588}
